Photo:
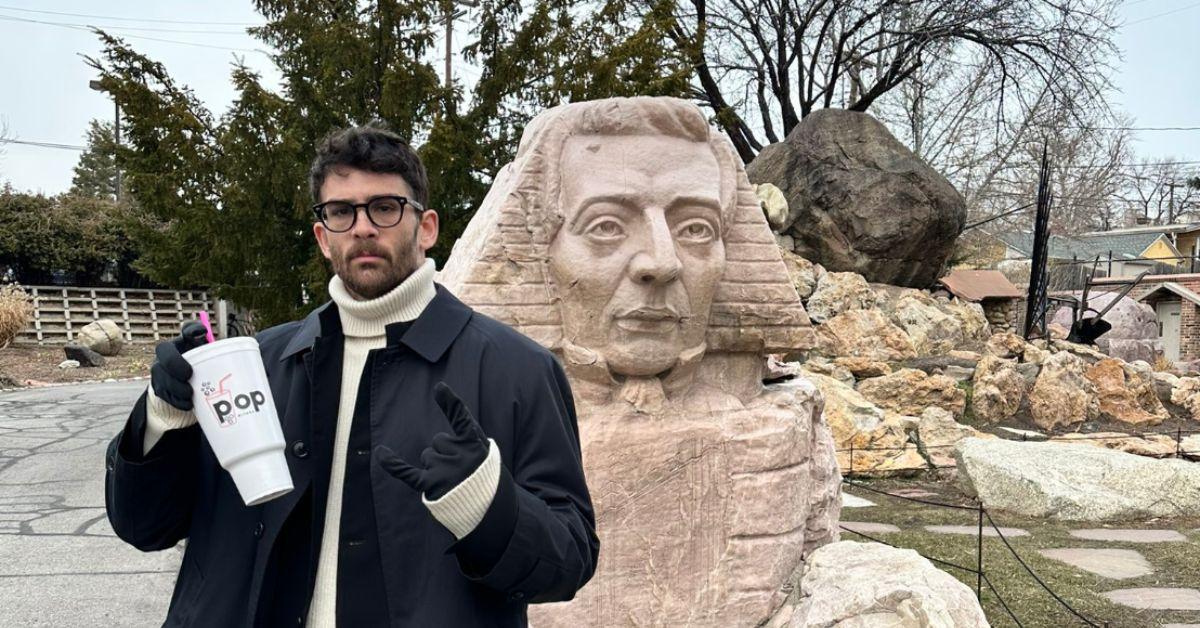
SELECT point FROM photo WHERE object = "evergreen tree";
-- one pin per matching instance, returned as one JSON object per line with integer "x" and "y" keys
{"x": 96, "y": 172}
{"x": 224, "y": 202}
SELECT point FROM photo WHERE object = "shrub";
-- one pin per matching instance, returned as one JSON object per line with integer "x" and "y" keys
{"x": 16, "y": 311}
{"x": 1163, "y": 364}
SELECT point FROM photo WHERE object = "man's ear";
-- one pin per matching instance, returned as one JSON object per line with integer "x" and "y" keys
{"x": 427, "y": 230}
{"x": 322, "y": 235}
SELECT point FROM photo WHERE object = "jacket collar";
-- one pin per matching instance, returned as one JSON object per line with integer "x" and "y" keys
{"x": 428, "y": 336}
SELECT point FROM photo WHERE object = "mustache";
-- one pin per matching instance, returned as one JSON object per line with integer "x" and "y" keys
{"x": 368, "y": 250}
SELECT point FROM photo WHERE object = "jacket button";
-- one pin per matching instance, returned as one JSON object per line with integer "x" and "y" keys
{"x": 258, "y": 530}
{"x": 518, "y": 596}
{"x": 299, "y": 449}
{"x": 111, "y": 465}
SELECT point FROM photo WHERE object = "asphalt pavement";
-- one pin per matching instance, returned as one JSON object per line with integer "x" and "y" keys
{"x": 60, "y": 563}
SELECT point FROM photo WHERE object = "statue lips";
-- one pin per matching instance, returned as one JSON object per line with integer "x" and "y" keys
{"x": 648, "y": 320}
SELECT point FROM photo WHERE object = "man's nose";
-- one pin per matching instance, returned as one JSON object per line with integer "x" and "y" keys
{"x": 363, "y": 227}
{"x": 658, "y": 263}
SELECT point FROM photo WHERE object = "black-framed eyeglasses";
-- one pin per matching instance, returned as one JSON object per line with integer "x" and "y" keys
{"x": 382, "y": 211}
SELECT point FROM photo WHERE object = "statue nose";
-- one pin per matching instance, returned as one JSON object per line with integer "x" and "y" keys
{"x": 658, "y": 263}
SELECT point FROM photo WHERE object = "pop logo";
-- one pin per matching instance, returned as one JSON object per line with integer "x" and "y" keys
{"x": 225, "y": 404}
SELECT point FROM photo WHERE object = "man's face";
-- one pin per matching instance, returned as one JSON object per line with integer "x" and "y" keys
{"x": 639, "y": 255}
{"x": 372, "y": 260}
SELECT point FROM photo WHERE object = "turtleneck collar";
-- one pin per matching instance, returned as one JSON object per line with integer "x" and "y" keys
{"x": 405, "y": 302}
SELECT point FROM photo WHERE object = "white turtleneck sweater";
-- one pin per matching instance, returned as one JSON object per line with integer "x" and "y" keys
{"x": 363, "y": 325}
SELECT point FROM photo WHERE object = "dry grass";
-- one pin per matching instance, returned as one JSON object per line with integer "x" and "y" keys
{"x": 16, "y": 310}
{"x": 23, "y": 364}
{"x": 1163, "y": 365}
{"x": 1175, "y": 564}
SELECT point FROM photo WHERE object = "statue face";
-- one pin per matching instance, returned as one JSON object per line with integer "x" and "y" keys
{"x": 639, "y": 253}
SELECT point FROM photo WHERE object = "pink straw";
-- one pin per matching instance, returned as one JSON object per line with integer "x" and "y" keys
{"x": 207, "y": 326}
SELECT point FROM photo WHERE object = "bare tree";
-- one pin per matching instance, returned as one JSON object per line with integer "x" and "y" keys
{"x": 4, "y": 139}
{"x": 762, "y": 66}
{"x": 1164, "y": 191}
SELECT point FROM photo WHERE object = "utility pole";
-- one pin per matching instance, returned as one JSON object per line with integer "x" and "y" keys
{"x": 451, "y": 15}
{"x": 1171, "y": 200}
{"x": 116, "y": 134}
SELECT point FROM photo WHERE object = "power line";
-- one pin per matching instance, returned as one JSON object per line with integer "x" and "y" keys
{"x": 145, "y": 37}
{"x": 43, "y": 144}
{"x": 126, "y": 28}
{"x": 1155, "y": 17}
{"x": 129, "y": 19}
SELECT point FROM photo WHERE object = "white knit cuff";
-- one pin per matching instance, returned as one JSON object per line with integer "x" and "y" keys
{"x": 160, "y": 417}
{"x": 464, "y": 506}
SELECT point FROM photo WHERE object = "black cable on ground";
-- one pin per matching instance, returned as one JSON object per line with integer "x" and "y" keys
{"x": 929, "y": 558}
{"x": 1035, "y": 576}
{"x": 1003, "y": 604}
{"x": 911, "y": 499}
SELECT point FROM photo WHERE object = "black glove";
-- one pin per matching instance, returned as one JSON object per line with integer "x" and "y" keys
{"x": 170, "y": 373}
{"x": 450, "y": 459}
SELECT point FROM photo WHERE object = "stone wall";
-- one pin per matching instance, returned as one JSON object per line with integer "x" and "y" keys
{"x": 1004, "y": 314}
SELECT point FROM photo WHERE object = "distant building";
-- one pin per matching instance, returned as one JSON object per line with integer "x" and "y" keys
{"x": 1172, "y": 287}
{"x": 1122, "y": 253}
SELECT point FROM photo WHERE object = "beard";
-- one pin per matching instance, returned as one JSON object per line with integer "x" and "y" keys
{"x": 371, "y": 280}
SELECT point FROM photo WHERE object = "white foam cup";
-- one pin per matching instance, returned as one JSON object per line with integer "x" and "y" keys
{"x": 234, "y": 406}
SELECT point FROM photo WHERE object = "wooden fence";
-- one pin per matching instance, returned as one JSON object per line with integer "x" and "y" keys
{"x": 143, "y": 315}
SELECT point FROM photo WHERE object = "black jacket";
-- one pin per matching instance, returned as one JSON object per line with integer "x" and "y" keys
{"x": 537, "y": 542}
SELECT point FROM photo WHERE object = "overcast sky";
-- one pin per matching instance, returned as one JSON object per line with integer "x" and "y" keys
{"x": 44, "y": 94}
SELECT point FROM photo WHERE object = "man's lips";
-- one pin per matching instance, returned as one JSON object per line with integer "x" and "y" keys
{"x": 366, "y": 257}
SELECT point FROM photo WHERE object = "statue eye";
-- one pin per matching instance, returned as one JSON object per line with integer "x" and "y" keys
{"x": 605, "y": 229}
{"x": 697, "y": 231}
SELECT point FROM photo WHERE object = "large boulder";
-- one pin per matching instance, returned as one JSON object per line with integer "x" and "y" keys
{"x": 83, "y": 355}
{"x": 774, "y": 204}
{"x": 860, "y": 585}
{"x": 939, "y": 433}
{"x": 1005, "y": 344}
{"x": 102, "y": 336}
{"x": 1126, "y": 395}
{"x": 860, "y": 201}
{"x": 879, "y": 439}
{"x": 802, "y": 273}
{"x": 1062, "y": 394}
{"x": 863, "y": 368}
{"x": 1186, "y": 393}
{"x": 837, "y": 293}
{"x": 910, "y": 392}
{"x": 1153, "y": 445}
{"x": 1076, "y": 482}
{"x": 975, "y": 326}
{"x": 864, "y": 333}
{"x": 933, "y": 331}
{"x": 1134, "y": 333}
{"x": 997, "y": 390}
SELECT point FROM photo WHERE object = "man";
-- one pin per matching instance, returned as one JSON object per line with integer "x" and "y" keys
{"x": 434, "y": 451}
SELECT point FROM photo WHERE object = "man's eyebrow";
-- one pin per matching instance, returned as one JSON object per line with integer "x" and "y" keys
{"x": 369, "y": 198}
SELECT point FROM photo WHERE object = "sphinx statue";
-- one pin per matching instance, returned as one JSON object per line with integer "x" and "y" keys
{"x": 626, "y": 238}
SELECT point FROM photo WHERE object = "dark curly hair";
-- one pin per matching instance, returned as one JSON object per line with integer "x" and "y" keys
{"x": 373, "y": 148}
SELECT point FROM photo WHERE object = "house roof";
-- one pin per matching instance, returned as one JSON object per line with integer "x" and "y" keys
{"x": 1171, "y": 286}
{"x": 1124, "y": 246}
{"x": 977, "y": 285}
{"x": 1173, "y": 228}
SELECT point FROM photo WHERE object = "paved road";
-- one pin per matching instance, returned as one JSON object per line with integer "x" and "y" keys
{"x": 60, "y": 563}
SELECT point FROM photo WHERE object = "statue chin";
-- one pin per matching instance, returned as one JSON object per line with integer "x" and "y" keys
{"x": 637, "y": 364}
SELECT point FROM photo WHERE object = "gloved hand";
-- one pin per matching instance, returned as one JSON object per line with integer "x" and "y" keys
{"x": 170, "y": 373}
{"x": 450, "y": 459}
